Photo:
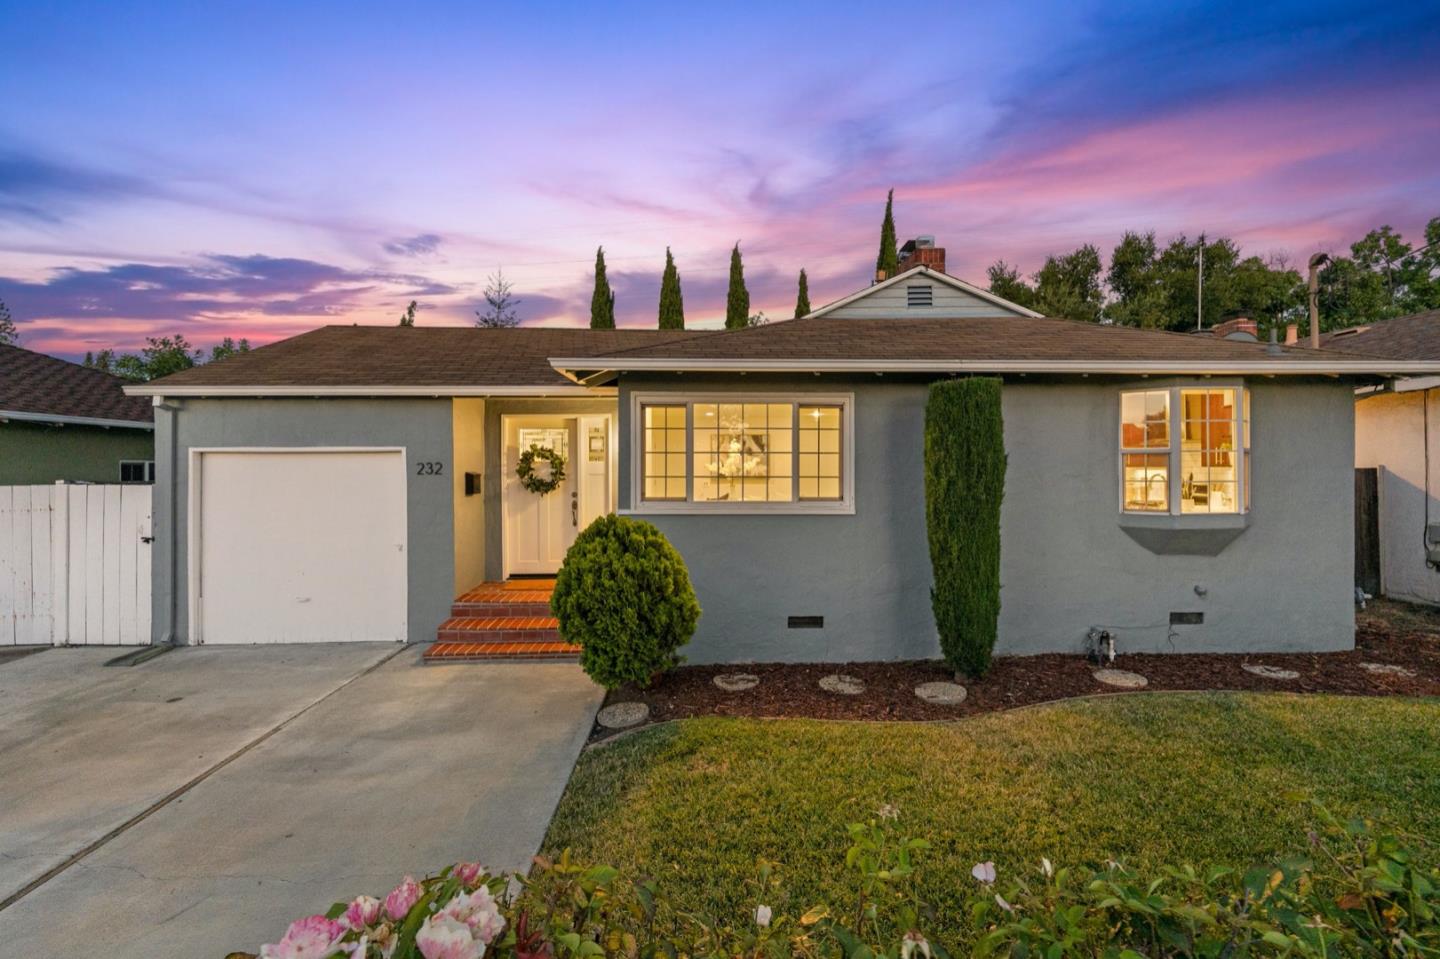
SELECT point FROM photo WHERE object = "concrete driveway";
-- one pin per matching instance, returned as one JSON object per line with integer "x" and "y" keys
{"x": 192, "y": 805}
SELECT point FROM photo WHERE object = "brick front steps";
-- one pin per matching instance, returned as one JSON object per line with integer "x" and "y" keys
{"x": 502, "y": 622}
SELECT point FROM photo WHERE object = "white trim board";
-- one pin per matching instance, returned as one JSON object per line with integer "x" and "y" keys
{"x": 1072, "y": 367}
{"x": 925, "y": 272}
{"x": 74, "y": 420}
{"x": 159, "y": 389}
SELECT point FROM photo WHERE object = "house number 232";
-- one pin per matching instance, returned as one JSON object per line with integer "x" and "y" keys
{"x": 429, "y": 469}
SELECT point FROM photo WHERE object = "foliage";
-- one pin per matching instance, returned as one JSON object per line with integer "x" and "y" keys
{"x": 500, "y": 303}
{"x": 1069, "y": 285}
{"x": 887, "y": 263}
{"x": 408, "y": 317}
{"x": 802, "y": 297}
{"x": 964, "y": 484}
{"x": 602, "y": 301}
{"x": 737, "y": 298}
{"x": 532, "y": 481}
{"x": 1383, "y": 277}
{"x": 1360, "y": 892}
{"x": 9, "y": 332}
{"x": 672, "y": 303}
{"x": 623, "y": 595}
{"x": 161, "y": 357}
{"x": 229, "y": 347}
{"x": 1005, "y": 282}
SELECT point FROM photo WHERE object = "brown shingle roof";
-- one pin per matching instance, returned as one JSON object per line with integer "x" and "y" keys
{"x": 1413, "y": 337}
{"x": 32, "y": 382}
{"x": 989, "y": 338}
{"x": 420, "y": 356}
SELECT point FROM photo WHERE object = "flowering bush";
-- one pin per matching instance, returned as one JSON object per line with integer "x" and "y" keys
{"x": 1358, "y": 893}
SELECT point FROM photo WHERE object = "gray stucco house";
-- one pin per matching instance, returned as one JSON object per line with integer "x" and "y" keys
{"x": 1185, "y": 492}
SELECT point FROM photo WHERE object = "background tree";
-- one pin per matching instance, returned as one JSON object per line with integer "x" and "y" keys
{"x": 737, "y": 299}
{"x": 500, "y": 303}
{"x": 602, "y": 301}
{"x": 672, "y": 303}
{"x": 1005, "y": 282}
{"x": 1383, "y": 277}
{"x": 802, "y": 298}
{"x": 161, "y": 356}
{"x": 888, "y": 262}
{"x": 1069, "y": 285}
{"x": 757, "y": 318}
{"x": 408, "y": 317}
{"x": 103, "y": 360}
{"x": 229, "y": 347}
{"x": 9, "y": 333}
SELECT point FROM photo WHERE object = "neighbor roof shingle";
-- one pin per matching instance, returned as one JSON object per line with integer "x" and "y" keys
{"x": 32, "y": 382}
{"x": 1413, "y": 337}
{"x": 393, "y": 356}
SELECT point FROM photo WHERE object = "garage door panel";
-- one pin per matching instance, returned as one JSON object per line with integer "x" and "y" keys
{"x": 302, "y": 547}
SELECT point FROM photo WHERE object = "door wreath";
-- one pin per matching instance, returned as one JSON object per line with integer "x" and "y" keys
{"x": 534, "y": 482}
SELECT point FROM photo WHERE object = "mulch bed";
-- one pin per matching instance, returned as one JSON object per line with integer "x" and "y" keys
{"x": 1387, "y": 632}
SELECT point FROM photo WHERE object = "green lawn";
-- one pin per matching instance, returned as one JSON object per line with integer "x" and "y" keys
{"x": 1152, "y": 779}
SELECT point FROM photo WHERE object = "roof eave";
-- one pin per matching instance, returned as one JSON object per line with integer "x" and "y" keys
{"x": 419, "y": 390}
{"x": 28, "y": 416}
{"x": 585, "y": 369}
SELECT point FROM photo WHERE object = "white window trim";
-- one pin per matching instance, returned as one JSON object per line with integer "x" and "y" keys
{"x": 637, "y": 505}
{"x": 149, "y": 472}
{"x": 1173, "y": 451}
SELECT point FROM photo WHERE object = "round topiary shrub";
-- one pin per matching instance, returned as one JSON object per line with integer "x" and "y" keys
{"x": 623, "y": 596}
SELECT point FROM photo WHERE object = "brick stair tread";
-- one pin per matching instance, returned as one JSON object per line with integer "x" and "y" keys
{"x": 481, "y": 651}
{"x": 482, "y": 624}
{"x": 469, "y": 610}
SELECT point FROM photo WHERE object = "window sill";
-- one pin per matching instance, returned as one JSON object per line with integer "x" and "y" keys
{"x": 753, "y": 509}
{"x": 1184, "y": 535}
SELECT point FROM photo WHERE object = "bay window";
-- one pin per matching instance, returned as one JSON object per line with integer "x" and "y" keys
{"x": 1185, "y": 450}
{"x": 743, "y": 453}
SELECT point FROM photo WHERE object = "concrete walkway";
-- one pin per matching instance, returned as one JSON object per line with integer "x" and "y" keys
{"x": 386, "y": 769}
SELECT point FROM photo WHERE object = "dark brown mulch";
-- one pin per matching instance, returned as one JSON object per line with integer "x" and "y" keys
{"x": 1387, "y": 632}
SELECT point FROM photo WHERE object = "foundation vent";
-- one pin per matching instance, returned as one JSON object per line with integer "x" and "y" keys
{"x": 805, "y": 622}
{"x": 1187, "y": 619}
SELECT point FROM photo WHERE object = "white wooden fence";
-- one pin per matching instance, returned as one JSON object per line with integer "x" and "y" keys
{"x": 75, "y": 565}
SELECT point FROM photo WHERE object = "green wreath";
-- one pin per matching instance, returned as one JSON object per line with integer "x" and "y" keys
{"x": 540, "y": 485}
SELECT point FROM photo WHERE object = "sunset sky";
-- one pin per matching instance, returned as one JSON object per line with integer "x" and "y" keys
{"x": 260, "y": 169}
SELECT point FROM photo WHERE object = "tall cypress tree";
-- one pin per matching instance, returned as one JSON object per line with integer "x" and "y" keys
{"x": 802, "y": 299}
{"x": 672, "y": 304}
{"x": 737, "y": 300}
{"x": 602, "y": 301}
{"x": 888, "y": 262}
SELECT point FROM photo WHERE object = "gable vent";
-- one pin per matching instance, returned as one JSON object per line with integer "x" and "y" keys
{"x": 920, "y": 295}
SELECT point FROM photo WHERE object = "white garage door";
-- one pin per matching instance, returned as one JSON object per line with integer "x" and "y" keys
{"x": 299, "y": 547}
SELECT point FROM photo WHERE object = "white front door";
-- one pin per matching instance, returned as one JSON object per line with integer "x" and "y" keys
{"x": 539, "y": 529}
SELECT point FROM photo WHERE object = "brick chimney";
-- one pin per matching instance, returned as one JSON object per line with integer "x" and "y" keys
{"x": 1239, "y": 328}
{"x": 1292, "y": 334}
{"x": 921, "y": 251}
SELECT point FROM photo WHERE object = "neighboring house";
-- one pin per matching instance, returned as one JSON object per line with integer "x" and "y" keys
{"x": 1397, "y": 434}
{"x": 350, "y": 482}
{"x": 60, "y": 421}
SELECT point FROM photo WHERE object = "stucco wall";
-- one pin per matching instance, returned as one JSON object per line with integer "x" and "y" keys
{"x": 468, "y": 433}
{"x": 1066, "y": 565}
{"x": 43, "y": 453}
{"x": 421, "y": 426}
{"x": 1390, "y": 434}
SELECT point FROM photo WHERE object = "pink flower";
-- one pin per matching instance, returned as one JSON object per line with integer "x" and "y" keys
{"x": 313, "y": 937}
{"x": 478, "y": 911}
{"x": 468, "y": 872}
{"x": 402, "y": 898}
{"x": 362, "y": 913}
{"x": 984, "y": 872}
{"x": 443, "y": 937}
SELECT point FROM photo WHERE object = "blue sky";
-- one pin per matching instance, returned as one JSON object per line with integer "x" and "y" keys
{"x": 259, "y": 169}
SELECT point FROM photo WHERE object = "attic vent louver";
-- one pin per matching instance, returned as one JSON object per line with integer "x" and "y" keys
{"x": 920, "y": 295}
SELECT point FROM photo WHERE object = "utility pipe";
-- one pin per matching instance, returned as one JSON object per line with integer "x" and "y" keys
{"x": 1316, "y": 262}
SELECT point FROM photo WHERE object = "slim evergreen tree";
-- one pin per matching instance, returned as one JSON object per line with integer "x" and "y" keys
{"x": 602, "y": 302}
{"x": 672, "y": 304}
{"x": 737, "y": 300}
{"x": 802, "y": 300}
{"x": 888, "y": 262}
{"x": 408, "y": 317}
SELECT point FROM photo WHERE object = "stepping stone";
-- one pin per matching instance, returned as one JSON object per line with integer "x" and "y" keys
{"x": 1122, "y": 678}
{"x": 1387, "y": 669}
{"x": 621, "y": 715}
{"x": 941, "y": 694}
{"x": 843, "y": 684}
{"x": 736, "y": 682}
{"x": 1269, "y": 672}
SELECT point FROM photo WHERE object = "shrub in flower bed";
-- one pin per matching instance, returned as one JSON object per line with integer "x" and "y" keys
{"x": 1358, "y": 893}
